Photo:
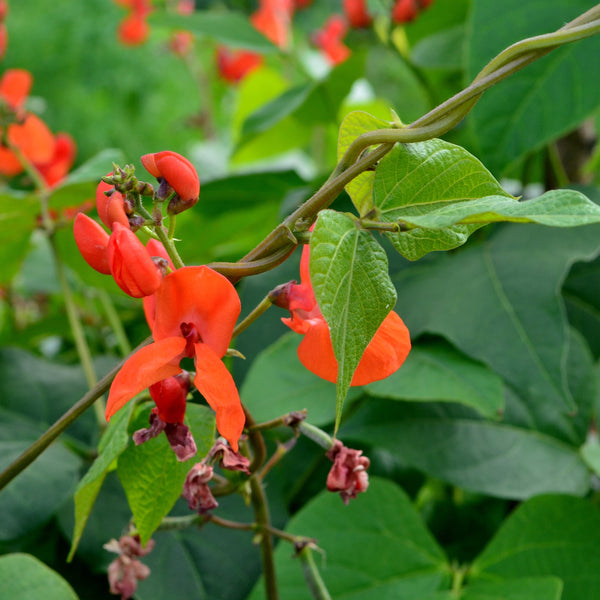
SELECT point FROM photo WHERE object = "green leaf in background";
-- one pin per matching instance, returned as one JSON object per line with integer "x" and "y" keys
{"x": 112, "y": 444}
{"x": 522, "y": 588}
{"x": 441, "y": 50}
{"x": 291, "y": 386}
{"x": 490, "y": 458}
{"x": 543, "y": 101}
{"x": 556, "y": 208}
{"x": 376, "y": 547}
{"x": 151, "y": 475}
{"x": 549, "y": 535}
{"x": 503, "y": 310}
{"x": 18, "y": 214}
{"x": 24, "y": 577}
{"x": 349, "y": 275}
{"x": 31, "y": 499}
{"x": 227, "y": 27}
{"x": 438, "y": 373}
{"x": 420, "y": 178}
{"x": 360, "y": 189}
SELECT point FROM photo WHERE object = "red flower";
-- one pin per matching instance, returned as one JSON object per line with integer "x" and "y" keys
{"x": 133, "y": 30}
{"x": 195, "y": 312}
{"x": 234, "y": 65}
{"x": 56, "y": 169}
{"x": 15, "y": 86}
{"x": 356, "y": 11}
{"x": 404, "y": 11}
{"x": 329, "y": 39}
{"x": 92, "y": 242}
{"x": 384, "y": 355}
{"x": 273, "y": 19}
{"x": 179, "y": 173}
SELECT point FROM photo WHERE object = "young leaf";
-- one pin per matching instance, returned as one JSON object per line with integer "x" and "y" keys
{"x": 112, "y": 444}
{"x": 360, "y": 189}
{"x": 376, "y": 547}
{"x": 151, "y": 475}
{"x": 556, "y": 208}
{"x": 436, "y": 373}
{"x": 420, "y": 178}
{"x": 349, "y": 274}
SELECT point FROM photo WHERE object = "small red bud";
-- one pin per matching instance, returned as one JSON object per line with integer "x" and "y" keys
{"x": 404, "y": 11}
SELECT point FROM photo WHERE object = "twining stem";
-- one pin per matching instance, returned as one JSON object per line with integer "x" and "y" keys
{"x": 314, "y": 582}
{"x": 318, "y": 436}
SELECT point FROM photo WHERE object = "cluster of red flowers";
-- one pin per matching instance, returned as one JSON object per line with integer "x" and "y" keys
{"x": 25, "y": 138}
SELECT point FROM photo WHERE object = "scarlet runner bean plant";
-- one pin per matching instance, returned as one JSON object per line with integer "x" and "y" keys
{"x": 435, "y": 376}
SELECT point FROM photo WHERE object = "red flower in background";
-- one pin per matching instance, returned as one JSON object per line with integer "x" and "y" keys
{"x": 329, "y": 39}
{"x": 234, "y": 65}
{"x": 384, "y": 355}
{"x": 195, "y": 312}
{"x": 56, "y": 169}
{"x": 133, "y": 30}
{"x": 405, "y": 11}
{"x": 273, "y": 19}
{"x": 357, "y": 14}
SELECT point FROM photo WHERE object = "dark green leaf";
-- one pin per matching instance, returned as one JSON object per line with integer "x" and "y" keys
{"x": 420, "y": 178}
{"x": 442, "y": 50}
{"x": 349, "y": 274}
{"x": 543, "y": 101}
{"x": 522, "y": 588}
{"x": 551, "y": 535}
{"x": 490, "y": 458}
{"x": 376, "y": 547}
{"x": 24, "y": 577}
{"x": 503, "y": 310}
{"x": 436, "y": 373}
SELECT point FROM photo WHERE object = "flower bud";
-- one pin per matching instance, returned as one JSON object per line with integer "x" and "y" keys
{"x": 404, "y": 11}
{"x": 111, "y": 206}
{"x": 356, "y": 11}
{"x": 92, "y": 242}
{"x": 177, "y": 171}
{"x": 169, "y": 396}
{"x": 131, "y": 266}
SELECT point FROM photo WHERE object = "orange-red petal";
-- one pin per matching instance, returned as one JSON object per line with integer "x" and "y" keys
{"x": 202, "y": 297}
{"x": 176, "y": 170}
{"x": 57, "y": 168}
{"x": 92, "y": 242}
{"x": 384, "y": 355}
{"x": 147, "y": 366}
{"x": 15, "y": 86}
{"x": 33, "y": 138}
{"x": 216, "y": 384}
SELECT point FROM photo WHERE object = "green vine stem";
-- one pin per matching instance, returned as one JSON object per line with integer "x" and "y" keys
{"x": 115, "y": 322}
{"x": 260, "y": 309}
{"x": 314, "y": 582}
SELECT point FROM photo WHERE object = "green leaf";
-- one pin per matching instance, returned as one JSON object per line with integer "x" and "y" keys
{"x": 112, "y": 444}
{"x": 24, "y": 577}
{"x": 18, "y": 219}
{"x": 151, "y": 475}
{"x": 416, "y": 179}
{"x": 550, "y": 535}
{"x": 543, "y": 101}
{"x": 35, "y": 495}
{"x": 438, "y": 373}
{"x": 349, "y": 274}
{"x": 522, "y": 588}
{"x": 556, "y": 208}
{"x": 505, "y": 311}
{"x": 376, "y": 547}
{"x": 360, "y": 189}
{"x": 228, "y": 27}
{"x": 291, "y": 386}
{"x": 489, "y": 458}
{"x": 441, "y": 50}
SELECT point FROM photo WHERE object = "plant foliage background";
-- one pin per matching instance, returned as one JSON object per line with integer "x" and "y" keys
{"x": 483, "y": 445}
